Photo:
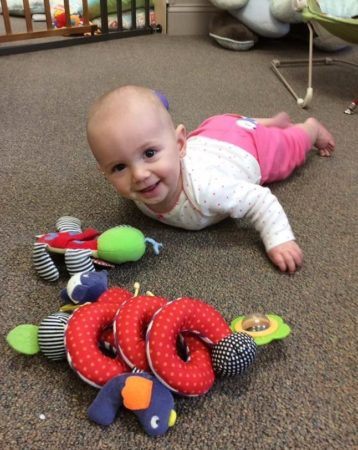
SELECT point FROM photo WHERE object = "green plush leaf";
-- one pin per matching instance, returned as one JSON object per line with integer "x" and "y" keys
{"x": 23, "y": 339}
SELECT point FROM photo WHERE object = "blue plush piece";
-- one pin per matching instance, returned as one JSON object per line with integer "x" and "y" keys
{"x": 143, "y": 394}
{"x": 256, "y": 15}
{"x": 85, "y": 287}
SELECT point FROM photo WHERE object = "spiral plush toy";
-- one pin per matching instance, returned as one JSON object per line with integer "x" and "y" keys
{"x": 185, "y": 344}
{"x": 157, "y": 347}
{"x": 147, "y": 333}
{"x": 82, "y": 249}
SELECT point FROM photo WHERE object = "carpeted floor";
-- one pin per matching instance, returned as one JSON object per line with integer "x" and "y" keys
{"x": 301, "y": 393}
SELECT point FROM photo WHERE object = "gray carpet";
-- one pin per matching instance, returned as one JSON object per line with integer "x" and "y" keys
{"x": 301, "y": 392}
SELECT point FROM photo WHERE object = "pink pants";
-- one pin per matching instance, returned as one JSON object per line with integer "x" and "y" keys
{"x": 279, "y": 151}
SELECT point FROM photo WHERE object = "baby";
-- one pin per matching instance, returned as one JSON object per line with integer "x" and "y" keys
{"x": 217, "y": 171}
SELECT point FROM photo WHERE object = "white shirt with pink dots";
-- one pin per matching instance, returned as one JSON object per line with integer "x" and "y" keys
{"x": 222, "y": 180}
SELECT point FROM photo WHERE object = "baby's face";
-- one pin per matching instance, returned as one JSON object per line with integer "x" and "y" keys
{"x": 140, "y": 156}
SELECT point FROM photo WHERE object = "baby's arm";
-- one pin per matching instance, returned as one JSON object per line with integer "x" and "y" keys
{"x": 268, "y": 217}
{"x": 263, "y": 210}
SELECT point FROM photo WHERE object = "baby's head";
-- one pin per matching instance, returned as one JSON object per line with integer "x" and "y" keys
{"x": 137, "y": 147}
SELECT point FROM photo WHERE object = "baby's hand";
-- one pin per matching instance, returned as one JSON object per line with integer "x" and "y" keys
{"x": 287, "y": 256}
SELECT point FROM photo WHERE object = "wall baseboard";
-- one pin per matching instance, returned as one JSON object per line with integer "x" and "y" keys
{"x": 189, "y": 19}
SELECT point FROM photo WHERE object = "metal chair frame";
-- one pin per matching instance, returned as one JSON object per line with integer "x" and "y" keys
{"x": 303, "y": 102}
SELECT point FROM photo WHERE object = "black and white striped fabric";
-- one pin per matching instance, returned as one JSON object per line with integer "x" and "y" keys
{"x": 68, "y": 223}
{"x": 107, "y": 347}
{"x": 43, "y": 263}
{"x": 233, "y": 354}
{"x": 51, "y": 336}
{"x": 78, "y": 260}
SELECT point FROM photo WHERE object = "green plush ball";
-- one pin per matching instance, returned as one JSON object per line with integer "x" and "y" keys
{"x": 121, "y": 244}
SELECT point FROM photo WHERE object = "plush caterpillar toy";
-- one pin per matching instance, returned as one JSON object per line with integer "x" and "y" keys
{"x": 81, "y": 249}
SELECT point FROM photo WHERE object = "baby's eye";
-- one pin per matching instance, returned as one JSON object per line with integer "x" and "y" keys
{"x": 118, "y": 167}
{"x": 150, "y": 153}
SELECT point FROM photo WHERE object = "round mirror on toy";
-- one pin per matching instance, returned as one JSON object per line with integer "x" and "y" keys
{"x": 263, "y": 328}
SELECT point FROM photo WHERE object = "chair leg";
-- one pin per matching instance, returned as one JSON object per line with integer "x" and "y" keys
{"x": 276, "y": 63}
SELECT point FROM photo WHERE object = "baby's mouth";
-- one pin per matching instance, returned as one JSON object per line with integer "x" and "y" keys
{"x": 149, "y": 188}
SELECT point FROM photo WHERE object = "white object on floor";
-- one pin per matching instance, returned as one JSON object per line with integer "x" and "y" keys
{"x": 231, "y": 44}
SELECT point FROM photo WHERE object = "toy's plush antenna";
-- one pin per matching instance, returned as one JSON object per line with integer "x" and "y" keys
{"x": 156, "y": 245}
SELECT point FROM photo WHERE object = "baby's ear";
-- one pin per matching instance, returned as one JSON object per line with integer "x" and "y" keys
{"x": 181, "y": 139}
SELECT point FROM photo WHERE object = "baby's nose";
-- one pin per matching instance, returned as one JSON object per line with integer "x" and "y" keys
{"x": 140, "y": 173}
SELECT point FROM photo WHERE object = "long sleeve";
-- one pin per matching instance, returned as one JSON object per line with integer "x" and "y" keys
{"x": 241, "y": 199}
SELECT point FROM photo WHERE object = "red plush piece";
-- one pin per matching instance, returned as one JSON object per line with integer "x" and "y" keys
{"x": 115, "y": 295}
{"x": 194, "y": 376}
{"x": 87, "y": 239}
{"x": 130, "y": 326}
{"x": 83, "y": 334}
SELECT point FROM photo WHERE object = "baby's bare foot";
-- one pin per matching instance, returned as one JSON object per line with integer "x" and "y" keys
{"x": 325, "y": 143}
